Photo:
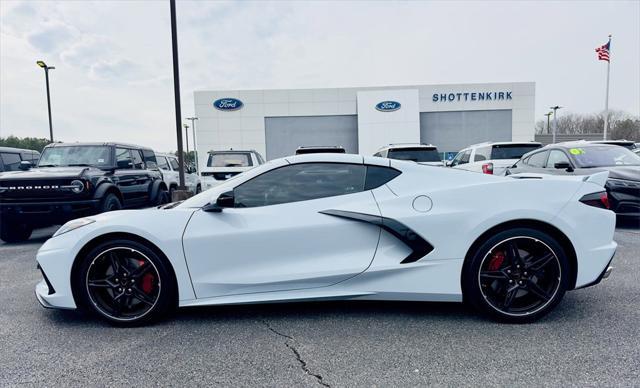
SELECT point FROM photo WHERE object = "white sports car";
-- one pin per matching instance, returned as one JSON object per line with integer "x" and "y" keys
{"x": 336, "y": 226}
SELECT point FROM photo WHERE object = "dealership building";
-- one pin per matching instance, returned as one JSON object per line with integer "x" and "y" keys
{"x": 276, "y": 122}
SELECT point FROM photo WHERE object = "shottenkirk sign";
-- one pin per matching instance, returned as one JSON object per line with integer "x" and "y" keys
{"x": 471, "y": 96}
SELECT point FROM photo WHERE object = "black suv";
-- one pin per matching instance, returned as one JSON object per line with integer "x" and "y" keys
{"x": 72, "y": 180}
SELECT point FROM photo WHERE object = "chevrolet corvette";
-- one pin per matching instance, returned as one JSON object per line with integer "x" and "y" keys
{"x": 338, "y": 226}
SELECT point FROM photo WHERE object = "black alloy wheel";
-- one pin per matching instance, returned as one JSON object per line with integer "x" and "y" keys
{"x": 126, "y": 283}
{"x": 519, "y": 277}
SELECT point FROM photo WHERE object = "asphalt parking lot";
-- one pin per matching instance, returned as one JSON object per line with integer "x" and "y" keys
{"x": 591, "y": 339}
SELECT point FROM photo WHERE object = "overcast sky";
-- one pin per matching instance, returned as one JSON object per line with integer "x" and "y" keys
{"x": 113, "y": 77}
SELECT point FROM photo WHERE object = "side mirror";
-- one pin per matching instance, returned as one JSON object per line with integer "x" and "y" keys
{"x": 563, "y": 166}
{"x": 152, "y": 166}
{"x": 225, "y": 199}
{"x": 25, "y": 165}
{"x": 190, "y": 170}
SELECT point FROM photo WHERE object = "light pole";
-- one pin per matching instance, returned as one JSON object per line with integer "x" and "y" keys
{"x": 555, "y": 121}
{"x": 186, "y": 133}
{"x": 548, "y": 118}
{"x": 46, "y": 77}
{"x": 176, "y": 91}
{"x": 195, "y": 144}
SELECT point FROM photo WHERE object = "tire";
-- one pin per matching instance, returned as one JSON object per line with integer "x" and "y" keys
{"x": 15, "y": 232}
{"x": 163, "y": 197}
{"x": 198, "y": 189}
{"x": 516, "y": 276}
{"x": 109, "y": 203}
{"x": 141, "y": 289}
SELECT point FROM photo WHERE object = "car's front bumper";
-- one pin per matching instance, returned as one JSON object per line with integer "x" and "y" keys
{"x": 47, "y": 213}
{"x": 55, "y": 262}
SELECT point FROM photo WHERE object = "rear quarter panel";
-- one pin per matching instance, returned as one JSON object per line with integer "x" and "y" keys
{"x": 466, "y": 204}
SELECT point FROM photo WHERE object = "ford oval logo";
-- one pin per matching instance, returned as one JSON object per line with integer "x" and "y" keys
{"x": 388, "y": 106}
{"x": 228, "y": 104}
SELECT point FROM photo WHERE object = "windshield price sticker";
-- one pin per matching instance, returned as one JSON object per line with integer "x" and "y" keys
{"x": 576, "y": 151}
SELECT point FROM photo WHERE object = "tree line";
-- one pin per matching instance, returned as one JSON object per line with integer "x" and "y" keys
{"x": 621, "y": 125}
{"x": 28, "y": 143}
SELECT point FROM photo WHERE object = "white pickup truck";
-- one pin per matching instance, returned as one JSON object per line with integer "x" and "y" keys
{"x": 492, "y": 157}
{"x": 169, "y": 167}
{"x": 224, "y": 164}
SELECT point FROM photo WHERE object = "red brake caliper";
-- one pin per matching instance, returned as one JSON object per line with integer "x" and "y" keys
{"x": 147, "y": 280}
{"x": 496, "y": 261}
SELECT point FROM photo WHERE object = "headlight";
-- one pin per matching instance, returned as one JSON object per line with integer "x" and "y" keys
{"x": 77, "y": 186}
{"x": 74, "y": 224}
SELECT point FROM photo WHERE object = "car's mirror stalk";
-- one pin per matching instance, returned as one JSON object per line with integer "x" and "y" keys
{"x": 225, "y": 199}
{"x": 563, "y": 166}
{"x": 25, "y": 165}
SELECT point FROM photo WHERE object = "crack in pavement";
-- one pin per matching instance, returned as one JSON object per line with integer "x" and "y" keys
{"x": 301, "y": 361}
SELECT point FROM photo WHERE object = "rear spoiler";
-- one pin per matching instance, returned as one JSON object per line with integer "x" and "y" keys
{"x": 599, "y": 178}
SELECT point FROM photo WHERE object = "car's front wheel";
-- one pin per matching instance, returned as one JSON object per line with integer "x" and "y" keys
{"x": 517, "y": 275}
{"x": 125, "y": 282}
{"x": 12, "y": 232}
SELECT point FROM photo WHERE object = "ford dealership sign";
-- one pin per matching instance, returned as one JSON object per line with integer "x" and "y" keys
{"x": 228, "y": 104}
{"x": 388, "y": 106}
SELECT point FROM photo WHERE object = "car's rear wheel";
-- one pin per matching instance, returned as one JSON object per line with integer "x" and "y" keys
{"x": 517, "y": 275}
{"x": 12, "y": 232}
{"x": 126, "y": 283}
{"x": 198, "y": 189}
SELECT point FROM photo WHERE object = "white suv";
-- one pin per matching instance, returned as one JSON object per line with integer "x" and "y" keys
{"x": 169, "y": 167}
{"x": 492, "y": 158}
{"x": 222, "y": 165}
{"x": 420, "y": 153}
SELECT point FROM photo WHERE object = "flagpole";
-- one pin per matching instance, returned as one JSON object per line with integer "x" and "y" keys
{"x": 606, "y": 98}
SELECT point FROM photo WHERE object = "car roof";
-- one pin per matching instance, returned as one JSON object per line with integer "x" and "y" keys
{"x": 11, "y": 149}
{"x": 166, "y": 155}
{"x": 580, "y": 143}
{"x": 492, "y": 143}
{"x": 231, "y": 151}
{"x": 407, "y": 145}
{"x": 117, "y": 144}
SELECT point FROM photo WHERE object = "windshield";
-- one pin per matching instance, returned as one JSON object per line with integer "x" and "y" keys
{"x": 415, "y": 154}
{"x": 229, "y": 159}
{"x": 512, "y": 151}
{"x": 604, "y": 156}
{"x": 98, "y": 156}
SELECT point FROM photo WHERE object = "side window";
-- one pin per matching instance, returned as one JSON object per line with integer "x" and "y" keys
{"x": 174, "y": 164}
{"x": 138, "y": 163}
{"x": 456, "y": 160}
{"x": 482, "y": 153}
{"x": 557, "y": 156}
{"x": 162, "y": 163}
{"x": 11, "y": 161}
{"x": 123, "y": 158}
{"x": 538, "y": 160}
{"x": 378, "y": 176}
{"x": 465, "y": 157}
{"x": 300, "y": 182}
{"x": 149, "y": 156}
{"x": 259, "y": 157}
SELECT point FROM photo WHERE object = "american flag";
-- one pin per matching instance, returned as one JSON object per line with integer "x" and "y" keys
{"x": 603, "y": 52}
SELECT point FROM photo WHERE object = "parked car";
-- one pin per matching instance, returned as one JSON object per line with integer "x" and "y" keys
{"x": 76, "y": 179}
{"x": 622, "y": 143}
{"x": 222, "y": 165}
{"x": 339, "y": 226}
{"x": 170, "y": 169}
{"x": 320, "y": 150}
{"x": 492, "y": 158}
{"x": 586, "y": 158}
{"x": 421, "y": 153}
{"x": 11, "y": 158}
